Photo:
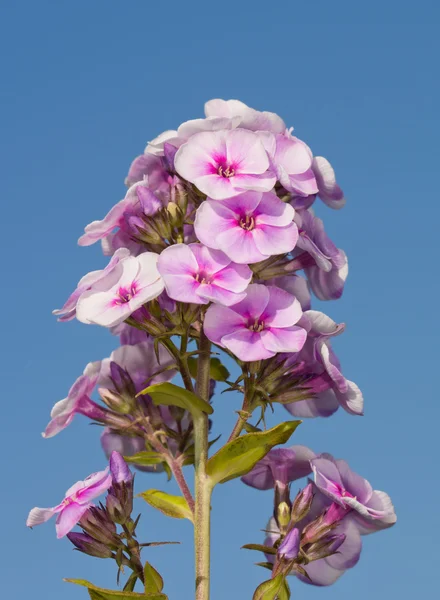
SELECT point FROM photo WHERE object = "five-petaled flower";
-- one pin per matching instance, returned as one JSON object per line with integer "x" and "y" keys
{"x": 259, "y": 326}
{"x": 196, "y": 274}
{"x": 133, "y": 282}
{"x": 248, "y": 228}
{"x": 225, "y": 163}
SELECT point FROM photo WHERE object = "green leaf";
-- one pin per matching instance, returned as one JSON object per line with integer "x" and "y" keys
{"x": 284, "y": 593}
{"x": 217, "y": 370}
{"x": 97, "y": 593}
{"x": 239, "y": 456}
{"x": 270, "y": 589}
{"x": 260, "y": 548}
{"x": 145, "y": 458}
{"x": 172, "y": 506}
{"x": 169, "y": 394}
{"x": 153, "y": 579}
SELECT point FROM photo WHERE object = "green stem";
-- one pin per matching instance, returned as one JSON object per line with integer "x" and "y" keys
{"x": 203, "y": 487}
{"x": 134, "y": 552}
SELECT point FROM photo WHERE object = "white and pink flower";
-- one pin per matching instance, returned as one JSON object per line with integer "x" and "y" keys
{"x": 133, "y": 282}
{"x": 196, "y": 274}
{"x": 225, "y": 163}
{"x": 248, "y": 228}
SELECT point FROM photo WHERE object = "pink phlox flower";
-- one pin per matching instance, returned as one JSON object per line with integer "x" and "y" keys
{"x": 196, "y": 274}
{"x": 259, "y": 326}
{"x": 133, "y": 282}
{"x": 68, "y": 311}
{"x": 225, "y": 163}
{"x": 329, "y": 272}
{"x": 248, "y": 228}
{"x": 249, "y": 118}
{"x": 319, "y": 362}
{"x": 373, "y": 509}
{"x": 291, "y": 160}
{"x": 76, "y": 502}
{"x": 77, "y": 401}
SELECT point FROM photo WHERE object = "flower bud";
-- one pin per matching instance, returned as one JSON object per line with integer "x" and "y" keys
{"x": 97, "y": 523}
{"x": 119, "y": 469}
{"x": 115, "y": 401}
{"x": 323, "y": 524}
{"x": 121, "y": 380}
{"x": 119, "y": 501}
{"x": 290, "y": 546}
{"x": 283, "y": 516}
{"x": 302, "y": 503}
{"x": 327, "y": 546}
{"x": 85, "y": 543}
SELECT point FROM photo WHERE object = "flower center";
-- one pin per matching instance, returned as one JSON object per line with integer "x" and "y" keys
{"x": 247, "y": 222}
{"x": 202, "y": 277}
{"x": 226, "y": 171}
{"x": 125, "y": 294}
{"x": 256, "y": 326}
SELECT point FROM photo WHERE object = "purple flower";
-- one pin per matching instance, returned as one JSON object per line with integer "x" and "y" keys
{"x": 248, "y": 118}
{"x": 259, "y": 326}
{"x": 372, "y": 509}
{"x": 77, "y": 402}
{"x": 196, "y": 274}
{"x": 317, "y": 359}
{"x": 281, "y": 465}
{"x": 325, "y": 571}
{"x": 140, "y": 363}
{"x": 329, "y": 269}
{"x": 76, "y": 502}
{"x": 289, "y": 548}
{"x": 119, "y": 469}
{"x": 328, "y": 190}
{"x": 68, "y": 312}
{"x": 248, "y": 228}
{"x": 133, "y": 282}
{"x": 225, "y": 163}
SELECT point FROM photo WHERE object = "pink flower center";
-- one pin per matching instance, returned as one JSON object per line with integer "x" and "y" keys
{"x": 256, "y": 325}
{"x": 226, "y": 171}
{"x": 202, "y": 277}
{"x": 125, "y": 294}
{"x": 247, "y": 222}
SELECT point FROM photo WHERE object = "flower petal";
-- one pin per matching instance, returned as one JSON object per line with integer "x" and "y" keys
{"x": 247, "y": 345}
{"x": 282, "y": 310}
{"x": 220, "y": 321}
{"x": 275, "y": 240}
{"x": 37, "y": 516}
{"x": 69, "y": 517}
{"x": 288, "y": 339}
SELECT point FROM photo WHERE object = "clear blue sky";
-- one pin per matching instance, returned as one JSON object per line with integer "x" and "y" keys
{"x": 84, "y": 86}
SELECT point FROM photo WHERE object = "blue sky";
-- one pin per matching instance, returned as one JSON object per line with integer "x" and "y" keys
{"x": 84, "y": 86}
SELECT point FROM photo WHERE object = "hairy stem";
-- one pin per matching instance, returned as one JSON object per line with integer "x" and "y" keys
{"x": 173, "y": 463}
{"x": 134, "y": 551}
{"x": 202, "y": 484}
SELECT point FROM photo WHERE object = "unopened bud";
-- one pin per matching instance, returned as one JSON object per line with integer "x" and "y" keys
{"x": 115, "y": 401}
{"x": 327, "y": 546}
{"x": 302, "y": 503}
{"x": 290, "y": 546}
{"x": 283, "y": 516}
{"x": 175, "y": 214}
{"x": 85, "y": 543}
{"x": 119, "y": 469}
{"x": 97, "y": 523}
{"x": 324, "y": 523}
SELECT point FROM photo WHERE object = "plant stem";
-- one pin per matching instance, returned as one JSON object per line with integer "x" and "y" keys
{"x": 134, "y": 552}
{"x": 202, "y": 483}
{"x": 173, "y": 463}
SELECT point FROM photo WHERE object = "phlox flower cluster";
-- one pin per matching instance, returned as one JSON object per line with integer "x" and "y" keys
{"x": 216, "y": 239}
